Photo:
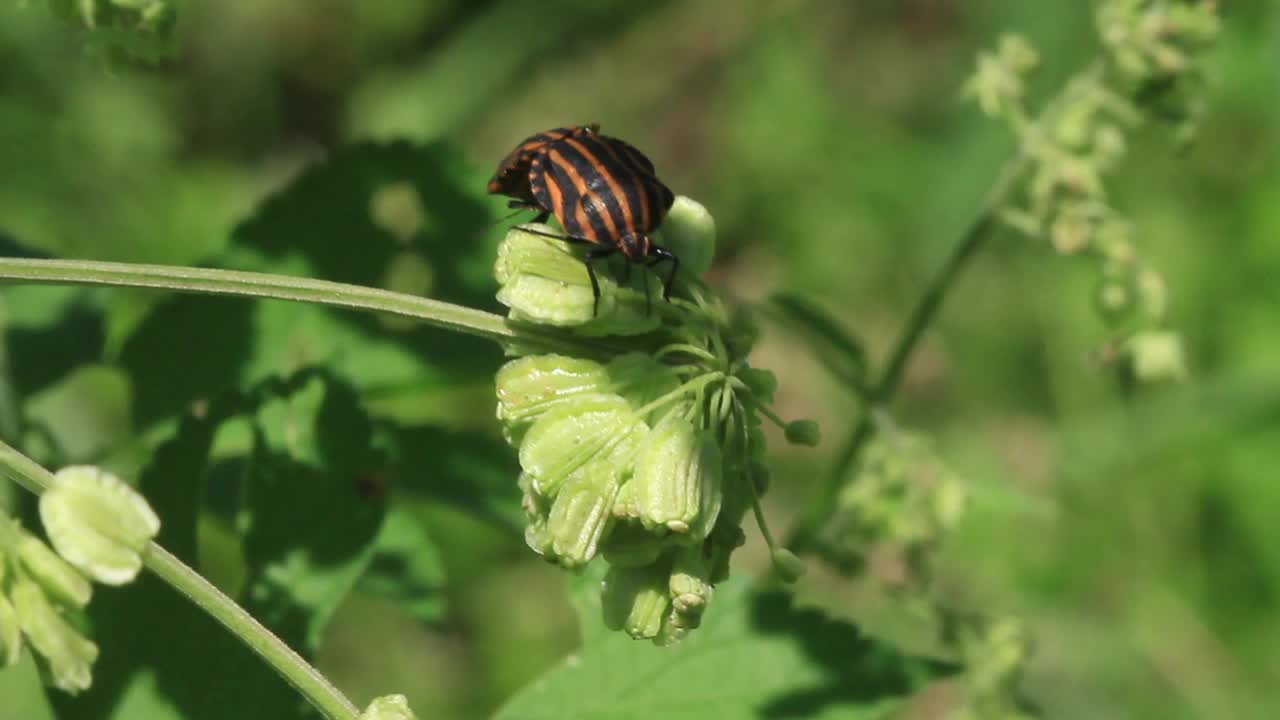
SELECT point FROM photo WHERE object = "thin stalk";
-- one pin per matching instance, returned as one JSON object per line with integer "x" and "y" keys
{"x": 926, "y": 310}
{"x": 283, "y": 287}
{"x": 302, "y": 676}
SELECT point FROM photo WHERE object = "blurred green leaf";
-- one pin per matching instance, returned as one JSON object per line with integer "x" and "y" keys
{"x": 754, "y": 656}
{"x": 406, "y": 567}
{"x": 841, "y": 353}
{"x": 468, "y": 470}
{"x": 84, "y": 415}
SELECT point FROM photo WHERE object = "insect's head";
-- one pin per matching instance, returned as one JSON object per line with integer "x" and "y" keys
{"x": 635, "y": 246}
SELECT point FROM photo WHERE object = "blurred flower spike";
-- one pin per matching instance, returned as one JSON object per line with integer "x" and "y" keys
{"x": 1154, "y": 49}
{"x": 649, "y": 458}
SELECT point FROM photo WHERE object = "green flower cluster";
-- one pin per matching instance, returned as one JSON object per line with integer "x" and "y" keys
{"x": 902, "y": 501}
{"x": 650, "y": 456}
{"x": 100, "y": 527}
{"x": 1150, "y": 71}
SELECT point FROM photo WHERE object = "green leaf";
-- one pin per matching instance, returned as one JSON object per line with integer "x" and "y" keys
{"x": 406, "y": 567}
{"x": 754, "y": 656}
{"x": 84, "y": 415}
{"x": 841, "y": 353}
{"x": 311, "y": 525}
{"x": 467, "y": 470}
{"x": 311, "y": 528}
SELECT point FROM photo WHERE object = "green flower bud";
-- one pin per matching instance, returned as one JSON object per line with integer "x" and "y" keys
{"x": 1156, "y": 356}
{"x": 690, "y": 584}
{"x": 789, "y": 567}
{"x": 10, "y": 632}
{"x": 678, "y": 479}
{"x": 690, "y": 232}
{"x": 803, "y": 432}
{"x": 546, "y": 282}
{"x": 55, "y": 575}
{"x": 581, "y": 515}
{"x": 69, "y": 655}
{"x": 388, "y": 707}
{"x": 595, "y": 428}
{"x": 635, "y": 600}
{"x": 674, "y": 629}
{"x": 98, "y": 523}
{"x": 532, "y": 386}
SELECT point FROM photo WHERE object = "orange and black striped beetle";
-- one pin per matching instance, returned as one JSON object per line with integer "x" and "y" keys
{"x": 512, "y": 176}
{"x": 602, "y": 190}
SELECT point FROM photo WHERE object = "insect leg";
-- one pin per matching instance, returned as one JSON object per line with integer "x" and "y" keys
{"x": 661, "y": 254}
{"x": 596, "y": 254}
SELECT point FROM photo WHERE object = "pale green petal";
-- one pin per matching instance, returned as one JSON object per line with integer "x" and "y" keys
{"x": 98, "y": 523}
{"x": 56, "y": 576}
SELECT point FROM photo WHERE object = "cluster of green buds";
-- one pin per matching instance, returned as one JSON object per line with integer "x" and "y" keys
{"x": 649, "y": 454}
{"x": 1081, "y": 135}
{"x": 141, "y": 29}
{"x": 995, "y": 656}
{"x": 99, "y": 527}
{"x": 898, "y": 507}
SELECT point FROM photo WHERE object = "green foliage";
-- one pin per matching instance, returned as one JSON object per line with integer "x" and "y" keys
{"x": 756, "y": 655}
{"x": 341, "y": 474}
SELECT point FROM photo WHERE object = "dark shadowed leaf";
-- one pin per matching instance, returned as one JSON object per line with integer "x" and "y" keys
{"x": 755, "y": 656}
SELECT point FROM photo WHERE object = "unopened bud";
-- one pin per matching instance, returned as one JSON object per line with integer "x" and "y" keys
{"x": 389, "y": 707}
{"x": 803, "y": 432}
{"x": 532, "y": 386}
{"x": 10, "y": 633}
{"x": 56, "y": 576}
{"x": 635, "y": 600}
{"x": 789, "y": 567}
{"x": 69, "y": 655}
{"x": 581, "y": 514}
{"x": 678, "y": 478}
{"x": 689, "y": 232}
{"x": 594, "y": 428}
{"x": 98, "y": 523}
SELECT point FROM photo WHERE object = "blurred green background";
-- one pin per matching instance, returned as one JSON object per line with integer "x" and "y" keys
{"x": 1138, "y": 534}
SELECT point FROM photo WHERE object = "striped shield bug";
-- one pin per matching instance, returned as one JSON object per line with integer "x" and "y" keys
{"x": 604, "y": 192}
{"x": 512, "y": 176}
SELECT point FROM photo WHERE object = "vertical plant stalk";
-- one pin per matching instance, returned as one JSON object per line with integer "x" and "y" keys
{"x": 290, "y": 665}
{"x": 820, "y": 508}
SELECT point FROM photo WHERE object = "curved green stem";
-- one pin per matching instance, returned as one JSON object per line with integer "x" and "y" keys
{"x": 283, "y": 287}
{"x": 306, "y": 679}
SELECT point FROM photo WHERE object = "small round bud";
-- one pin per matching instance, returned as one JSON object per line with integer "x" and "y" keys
{"x": 99, "y": 524}
{"x": 690, "y": 233}
{"x": 389, "y": 707}
{"x": 762, "y": 383}
{"x": 1155, "y": 356}
{"x": 789, "y": 567}
{"x": 803, "y": 432}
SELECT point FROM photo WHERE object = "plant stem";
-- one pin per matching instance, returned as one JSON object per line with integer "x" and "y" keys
{"x": 926, "y": 310}
{"x": 283, "y": 287}
{"x": 302, "y": 676}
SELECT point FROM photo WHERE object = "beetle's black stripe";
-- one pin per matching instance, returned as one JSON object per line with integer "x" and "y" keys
{"x": 618, "y": 189}
{"x": 637, "y": 160}
{"x": 600, "y": 203}
{"x": 579, "y": 218}
{"x": 559, "y": 197}
{"x": 658, "y": 195}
